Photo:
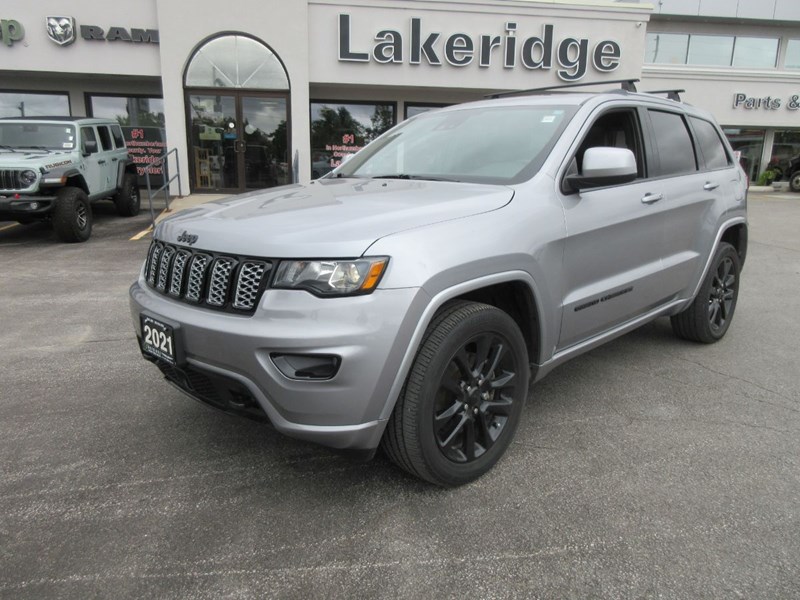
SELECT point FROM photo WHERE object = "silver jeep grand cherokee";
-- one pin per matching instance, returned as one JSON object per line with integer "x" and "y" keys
{"x": 405, "y": 299}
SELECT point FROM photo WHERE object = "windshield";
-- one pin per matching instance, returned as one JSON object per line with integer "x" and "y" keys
{"x": 49, "y": 136}
{"x": 496, "y": 144}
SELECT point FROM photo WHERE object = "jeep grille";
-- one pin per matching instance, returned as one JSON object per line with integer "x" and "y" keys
{"x": 10, "y": 180}
{"x": 221, "y": 282}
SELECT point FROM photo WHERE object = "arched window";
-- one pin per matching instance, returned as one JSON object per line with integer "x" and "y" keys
{"x": 236, "y": 61}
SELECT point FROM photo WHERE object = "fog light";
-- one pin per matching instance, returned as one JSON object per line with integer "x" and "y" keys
{"x": 33, "y": 205}
{"x": 307, "y": 366}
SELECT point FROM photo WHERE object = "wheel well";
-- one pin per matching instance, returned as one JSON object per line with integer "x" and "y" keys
{"x": 516, "y": 299}
{"x": 736, "y": 236}
{"x": 78, "y": 182}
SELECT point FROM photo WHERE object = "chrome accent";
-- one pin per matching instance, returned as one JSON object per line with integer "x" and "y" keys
{"x": 248, "y": 284}
{"x": 10, "y": 179}
{"x": 220, "y": 281}
{"x": 163, "y": 267}
{"x": 178, "y": 268}
{"x": 155, "y": 254}
{"x": 197, "y": 275}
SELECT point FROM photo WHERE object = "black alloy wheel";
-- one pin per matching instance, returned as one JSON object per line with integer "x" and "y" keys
{"x": 709, "y": 315}
{"x": 475, "y": 398}
{"x": 721, "y": 295}
{"x": 463, "y": 398}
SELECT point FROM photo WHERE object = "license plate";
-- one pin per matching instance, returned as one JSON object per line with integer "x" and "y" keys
{"x": 158, "y": 339}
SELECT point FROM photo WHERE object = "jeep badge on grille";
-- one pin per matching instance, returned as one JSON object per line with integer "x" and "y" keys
{"x": 187, "y": 238}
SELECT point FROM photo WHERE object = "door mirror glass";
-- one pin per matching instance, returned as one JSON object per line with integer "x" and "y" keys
{"x": 604, "y": 166}
{"x": 89, "y": 147}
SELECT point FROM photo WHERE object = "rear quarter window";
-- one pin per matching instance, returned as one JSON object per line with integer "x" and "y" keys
{"x": 105, "y": 137}
{"x": 711, "y": 146}
{"x": 674, "y": 143}
{"x": 117, "y": 133}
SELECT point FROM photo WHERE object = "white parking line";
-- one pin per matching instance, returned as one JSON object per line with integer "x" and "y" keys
{"x": 9, "y": 226}
{"x": 141, "y": 234}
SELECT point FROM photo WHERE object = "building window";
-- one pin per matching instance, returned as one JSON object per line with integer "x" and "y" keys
{"x": 715, "y": 50}
{"x": 785, "y": 146}
{"x": 666, "y": 48}
{"x": 755, "y": 52}
{"x": 339, "y": 129}
{"x": 710, "y": 50}
{"x": 749, "y": 144}
{"x": 34, "y": 104}
{"x": 236, "y": 61}
{"x": 793, "y": 54}
{"x": 142, "y": 121}
{"x": 413, "y": 109}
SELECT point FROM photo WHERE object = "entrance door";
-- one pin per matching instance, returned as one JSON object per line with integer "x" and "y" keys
{"x": 238, "y": 141}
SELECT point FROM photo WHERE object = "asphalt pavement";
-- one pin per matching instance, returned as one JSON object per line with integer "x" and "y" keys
{"x": 650, "y": 467}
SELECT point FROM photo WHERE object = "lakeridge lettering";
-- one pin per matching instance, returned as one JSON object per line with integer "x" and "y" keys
{"x": 460, "y": 49}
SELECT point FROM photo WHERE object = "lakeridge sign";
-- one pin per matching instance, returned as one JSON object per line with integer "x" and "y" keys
{"x": 570, "y": 56}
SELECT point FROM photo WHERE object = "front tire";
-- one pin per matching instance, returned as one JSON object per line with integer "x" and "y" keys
{"x": 72, "y": 215}
{"x": 709, "y": 316}
{"x": 463, "y": 398}
{"x": 128, "y": 200}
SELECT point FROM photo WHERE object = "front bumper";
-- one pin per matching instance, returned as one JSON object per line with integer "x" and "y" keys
{"x": 14, "y": 205}
{"x": 369, "y": 333}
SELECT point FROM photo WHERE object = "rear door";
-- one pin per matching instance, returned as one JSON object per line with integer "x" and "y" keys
{"x": 114, "y": 157}
{"x": 94, "y": 160}
{"x": 695, "y": 170}
{"x": 613, "y": 249}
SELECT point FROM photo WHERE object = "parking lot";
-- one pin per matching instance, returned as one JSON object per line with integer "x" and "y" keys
{"x": 649, "y": 467}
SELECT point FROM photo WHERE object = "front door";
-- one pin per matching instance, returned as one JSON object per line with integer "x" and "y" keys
{"x": 238, "y": 141}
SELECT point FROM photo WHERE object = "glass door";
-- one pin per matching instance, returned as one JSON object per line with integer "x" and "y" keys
{"x": 213, "y": 137}
{"x": 265, "y": 142}
{"x": 239, "y": 141}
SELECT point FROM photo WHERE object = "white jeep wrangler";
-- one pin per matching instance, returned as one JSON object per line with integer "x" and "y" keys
{"x": 51, "y": 169}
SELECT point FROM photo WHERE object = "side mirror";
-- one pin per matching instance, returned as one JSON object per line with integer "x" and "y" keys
{"x": 89, "y": 147}
{"x": 604, "y": 166}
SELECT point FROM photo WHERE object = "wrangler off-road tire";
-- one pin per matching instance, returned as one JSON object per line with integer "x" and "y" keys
{"x": 127, "y": 200}
{"x": 72, "y": 215}
{"x": 463, "y": 398}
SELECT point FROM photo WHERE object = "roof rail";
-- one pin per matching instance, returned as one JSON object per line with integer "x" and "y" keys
{"x": 629, "y": 85}
{"x": 671, "y": 94}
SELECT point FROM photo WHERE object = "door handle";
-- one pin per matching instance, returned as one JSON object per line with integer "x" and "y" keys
{"x": 115, "y": 159}
{"x": 101, "y": 162}
{"x": 710, "y": 185}
{"x": 650, "y": 198}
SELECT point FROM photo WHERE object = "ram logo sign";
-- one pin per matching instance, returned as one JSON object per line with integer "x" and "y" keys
{"x": 61, "y": 30}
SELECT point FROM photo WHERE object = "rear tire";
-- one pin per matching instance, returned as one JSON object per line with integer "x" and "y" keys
{"x": 127, "y": 199}
{"x": 463, "y": 398}
{"x": 72, "y": 215}
{"x": 710, "y": 314}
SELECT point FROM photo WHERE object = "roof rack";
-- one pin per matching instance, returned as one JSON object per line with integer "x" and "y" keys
{"x": 629, "y": 85}
{"x": 671, "y": 94}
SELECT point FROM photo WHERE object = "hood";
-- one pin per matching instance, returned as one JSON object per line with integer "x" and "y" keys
{"x": 328, "y": 217}
{"x": 33, "y": 159}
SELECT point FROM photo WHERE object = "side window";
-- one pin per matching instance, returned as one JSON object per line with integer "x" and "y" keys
{"x": 675, "y": 148}
{"x": 615, "y": 129}
{"x": 105, "y": 137}
{"x": 711, "y": 145}
{"x": 117, "y": 133}
{"x": 87, "y": 135}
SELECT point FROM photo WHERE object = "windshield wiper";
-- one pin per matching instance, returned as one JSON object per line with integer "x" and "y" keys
{"x": 7, "y": 148}
{"x": 417, "y": 177}
{"x": 35, "y": 148}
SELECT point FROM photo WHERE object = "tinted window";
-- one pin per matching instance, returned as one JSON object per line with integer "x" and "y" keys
{"x": 710, "y": 144}
{"x": 117, "y": 133}
{"x": 87, "y": 135}
{"x": 675, "y": 149}
{"x": 105, "y": 137}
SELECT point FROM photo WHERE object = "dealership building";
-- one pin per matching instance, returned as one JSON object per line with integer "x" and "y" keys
{"x": 260, "y": 93}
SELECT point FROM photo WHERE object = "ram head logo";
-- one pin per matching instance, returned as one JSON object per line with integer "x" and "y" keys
{"x": 61, "y": 30}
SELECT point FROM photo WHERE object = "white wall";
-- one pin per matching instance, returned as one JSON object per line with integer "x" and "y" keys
{"x": 36, "y": 52}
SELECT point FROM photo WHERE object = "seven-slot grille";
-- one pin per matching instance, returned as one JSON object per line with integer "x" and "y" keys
{"x": 10, "y": 179}
{"x": 222, "y": 282}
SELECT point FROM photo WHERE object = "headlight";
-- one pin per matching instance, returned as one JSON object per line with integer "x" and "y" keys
{"x": 27, "y": 178}
{"x": 331, "y": 277}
